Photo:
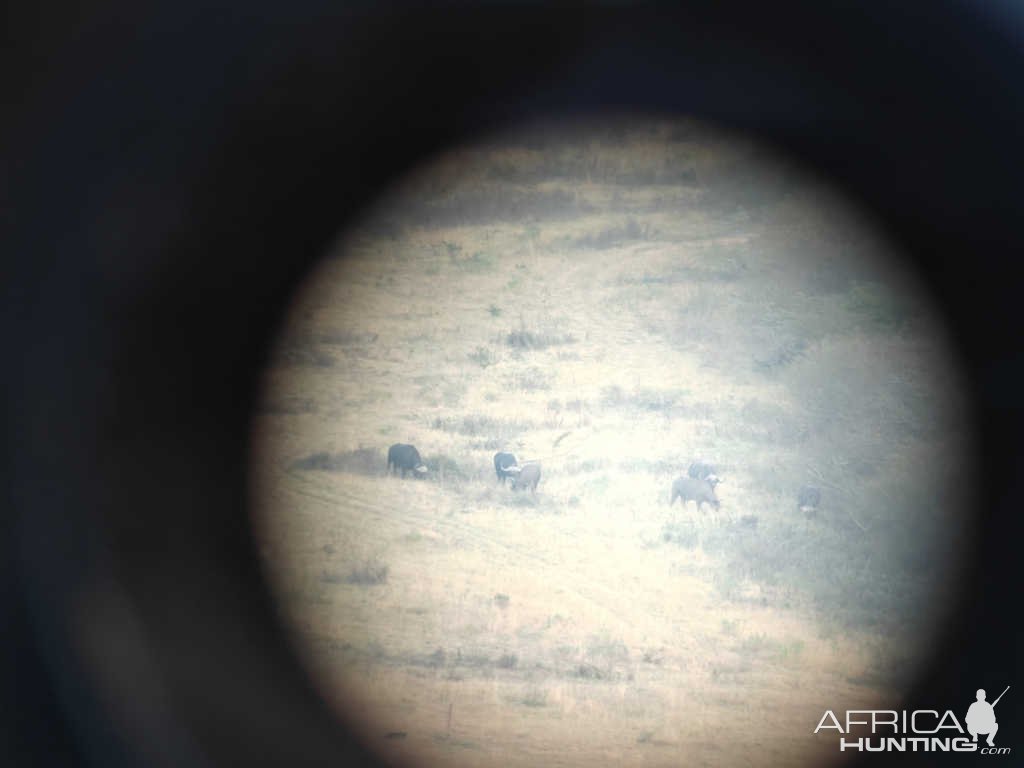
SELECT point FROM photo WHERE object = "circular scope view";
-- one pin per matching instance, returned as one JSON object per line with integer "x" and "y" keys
{"x": 611, "y": 442}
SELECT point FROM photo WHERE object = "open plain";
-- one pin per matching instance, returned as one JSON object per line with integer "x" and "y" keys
{"x": 614, "y": 304}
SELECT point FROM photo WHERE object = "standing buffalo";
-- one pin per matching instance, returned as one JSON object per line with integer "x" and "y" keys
{"x": 406, "y": 458}
{"x": 528, "y": 477}
{"x": 692, "y": 489}
{"x": 505, "y": 465}
{"x": 809, "y": 499}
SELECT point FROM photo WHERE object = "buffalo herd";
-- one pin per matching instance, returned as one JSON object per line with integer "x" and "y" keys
{"x": 697, "y": 485}
{"x": 405, "y": 458}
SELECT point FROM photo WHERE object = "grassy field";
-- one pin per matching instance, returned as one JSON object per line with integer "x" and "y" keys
{"x": 615, "y": 301}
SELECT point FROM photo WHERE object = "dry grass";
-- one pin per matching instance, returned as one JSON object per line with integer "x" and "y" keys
{"x": 614, "y": 339}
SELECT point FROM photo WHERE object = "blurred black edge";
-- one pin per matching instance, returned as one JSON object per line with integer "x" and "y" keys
{"x": 171, "y": 170}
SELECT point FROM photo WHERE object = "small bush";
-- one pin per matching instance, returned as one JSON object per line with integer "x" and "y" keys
{"x": 508, "y": 661}
{"x": 654, "y": 656}
{"x": 362, "y": 461}
{"x": 346, "y": 338}
{"x": 779, "y": 354}
{"x": 657, "y": 400}
{"x": 535, "y": 698}
{"x": 587, "y": 465}
{"x": 653, "y": 467}
{"x": 482, "y": 425}
{"x": 491, "y": 444}
{"x": 730, "y": 673}
{"x": 524, "y": 339}
{"x": 478, "y": 262}
{"x": 444, "y": 467}
{"x": 483, "y": 357}
{"x": 471, "y": 660}
{"x": 588, "y": 672}
{"x": 320, "y": 460}
{"x": 369, "y": 573}
{"x": 607, "y": 651}
{"x": 643, "y": 399}
{"x": 530, "y": 379}
{"x": 629, "y": 231}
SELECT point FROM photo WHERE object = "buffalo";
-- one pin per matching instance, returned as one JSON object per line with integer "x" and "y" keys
{"x": 406, "y": 458}
{"x": 527, "y": 477}
{"x": 808, "y": 500}
{"x": 693, "y": 489}
{"x": 505, "y": 465}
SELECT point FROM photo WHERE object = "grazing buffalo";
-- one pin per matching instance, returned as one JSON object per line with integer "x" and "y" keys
{"x": 809, "y": 499}
{"x": 505, "y": 465}
{"x": 701, "y": 470}
{"x": 692, "y": 489}
{"x": 406, "y": 458}
{"x": 528, "y": 477}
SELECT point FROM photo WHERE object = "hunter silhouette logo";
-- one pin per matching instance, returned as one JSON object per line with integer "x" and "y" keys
{"x": 922, "y": 730}
{"x": 981, "y": 717}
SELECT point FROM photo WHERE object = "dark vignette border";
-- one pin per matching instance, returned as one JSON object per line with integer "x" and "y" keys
{"x": 170, "y": 174}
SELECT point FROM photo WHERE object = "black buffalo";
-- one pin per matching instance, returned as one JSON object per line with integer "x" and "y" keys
{"x": 527, "y": 477}
{"x": 505, "y": 465}
{"x": 692, "y": 489}
{"x": 406, "y": 458}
